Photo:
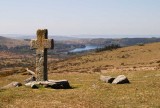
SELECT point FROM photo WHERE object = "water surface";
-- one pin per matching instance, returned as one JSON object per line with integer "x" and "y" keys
{"x": 88, "y": 47}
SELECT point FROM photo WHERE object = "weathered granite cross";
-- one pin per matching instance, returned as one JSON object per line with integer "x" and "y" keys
{"x": 41, "y": 44}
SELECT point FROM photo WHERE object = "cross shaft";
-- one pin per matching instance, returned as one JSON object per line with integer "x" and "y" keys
{"x": 41, "y": 44}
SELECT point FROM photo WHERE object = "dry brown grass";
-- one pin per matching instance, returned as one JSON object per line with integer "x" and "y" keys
{"x": 12, "y": 63}
{"x": 137, "y": 57}
{"x": 87, "y": 92}
{"x": 12, "y": 42}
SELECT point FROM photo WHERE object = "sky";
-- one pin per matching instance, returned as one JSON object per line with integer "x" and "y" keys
{"x": 80, "y": 17}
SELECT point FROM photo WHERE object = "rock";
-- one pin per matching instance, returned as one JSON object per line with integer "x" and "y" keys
{"x": 47, "y": 84}
{"x": 55, "y": 84}
{"x": 30, "y": 83}
{"x": 34, "y": 86}
{"x": 30, "y": 79}
{"x": 61, "y": 84}
{"x": 107, "y": 79}
{"x": 121, "y": 79}
{"x": 12, "y": 85}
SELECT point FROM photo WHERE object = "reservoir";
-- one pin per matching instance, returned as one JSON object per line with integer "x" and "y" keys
{"x": 88, "y": 47}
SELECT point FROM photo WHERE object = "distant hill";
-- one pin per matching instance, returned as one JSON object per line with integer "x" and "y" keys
{"x": 93, "y": 40}
{"x": 65, "y": 44}
{"x": 22, "y": 46}
{"x": 115, "y": 36}
{"x": 121, "y": 41}
{"x": 22, "y": 37}
{"x": 12, "y": 42}
{"x": 124, "y": 41}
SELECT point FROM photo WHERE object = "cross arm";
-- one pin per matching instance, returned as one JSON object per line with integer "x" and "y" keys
{"x": 46, "y": 43}
{"x": 49, "y": 43}
{"x": 33, "y": 44}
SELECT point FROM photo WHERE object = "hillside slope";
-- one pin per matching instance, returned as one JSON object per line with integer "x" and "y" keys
{"x": 120, "y": 41}
{"x": 12, "y": 42}
{"x": 87, "y": 90}
{"x": 134, "y": 58}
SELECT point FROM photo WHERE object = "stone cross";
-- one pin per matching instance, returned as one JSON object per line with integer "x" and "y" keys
{"x": 41, "y": 44}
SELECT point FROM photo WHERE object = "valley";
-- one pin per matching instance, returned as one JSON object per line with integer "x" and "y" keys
{"x": 140, "y": 63}
{"x": 80, "y": 54}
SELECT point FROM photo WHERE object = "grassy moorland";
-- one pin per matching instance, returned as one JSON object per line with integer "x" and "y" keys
{"x": 139, "y": 63}
{"x": 87, "y": 92}
{"x": 146, "y": 57}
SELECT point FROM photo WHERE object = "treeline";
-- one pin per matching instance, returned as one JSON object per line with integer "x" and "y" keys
{"x": 17, "y": 49}
{"x": 109, "y": 47}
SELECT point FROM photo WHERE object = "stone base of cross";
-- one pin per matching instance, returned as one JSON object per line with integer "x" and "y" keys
{"x": 41, "y": 44}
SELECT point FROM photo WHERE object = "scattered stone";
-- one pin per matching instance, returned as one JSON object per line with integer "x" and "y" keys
{"x": 34, "y": 86}
{"x": 12, "y": 85}
{"x": 63, "y": 84}
{"x": 121, "y": 79}
{"x": 107, "y": 79}
{"x": 50, "y": 84}
{"x": 33, "y": 78}
{"x": 30, "y": 83}
{"x": 55, "y": 84}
